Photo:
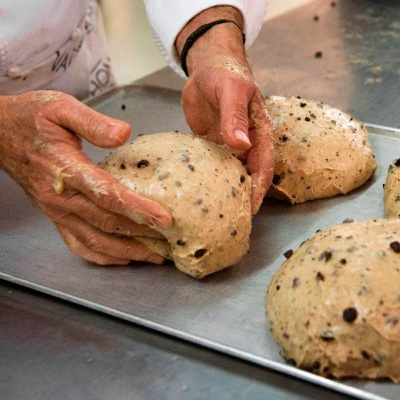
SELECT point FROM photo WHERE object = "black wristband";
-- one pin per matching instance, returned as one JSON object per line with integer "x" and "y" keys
{"x": 200, "y": 32}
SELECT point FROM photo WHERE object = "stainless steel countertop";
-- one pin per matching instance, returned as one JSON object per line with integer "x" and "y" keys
{"x": 54, "y": 350}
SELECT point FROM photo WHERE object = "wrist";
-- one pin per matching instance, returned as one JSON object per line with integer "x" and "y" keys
{"x": 225, "y": 39}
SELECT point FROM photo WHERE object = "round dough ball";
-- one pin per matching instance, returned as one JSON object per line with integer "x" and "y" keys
{"x": 334, "y": 305}
{"x": 319, "y": 150}
{"x": 204, "y": 187}
{"x": 392, "y": 191}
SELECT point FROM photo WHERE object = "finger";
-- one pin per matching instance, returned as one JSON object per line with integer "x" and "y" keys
{"x": 107, "y": 192}
{"x": 260, "y": 160}
{"x": 81, "y": 250}
{"x": 105, "y": 220}
{"x": 105, "y": 243}
{"x": 233, "y": 104}
{"x": 96, "y": 128}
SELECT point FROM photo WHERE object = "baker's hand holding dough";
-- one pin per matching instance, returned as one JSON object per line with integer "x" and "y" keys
{"x": 40, "y": 147}
{"x": 221, "y": 100}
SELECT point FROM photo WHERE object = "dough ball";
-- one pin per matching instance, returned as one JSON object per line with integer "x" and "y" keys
{"x": 204, "y": 187}
{"x": 392, "y": 191}
{"x": 320, "y": 151}
{"x": 334, "y": 305}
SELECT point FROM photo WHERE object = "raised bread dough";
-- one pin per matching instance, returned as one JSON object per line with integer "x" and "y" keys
{"x": 334, "y": 305}
{"x": 392, "y": 191}
{"x": 319, "y": 150}
{"x": 204, "y": 187}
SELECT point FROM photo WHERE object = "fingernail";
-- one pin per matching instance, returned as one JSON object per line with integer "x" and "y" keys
{"x": 114, "y": 132}
{"x": 240, "y": 135}
{"x": 155, "y": 259}
{"x": 163, "y": 223}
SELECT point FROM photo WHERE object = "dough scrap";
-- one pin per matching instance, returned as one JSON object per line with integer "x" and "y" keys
{"x": 319, "y": 150}
{"x": 204, "y": 187}
{"x": 334, "y": 305}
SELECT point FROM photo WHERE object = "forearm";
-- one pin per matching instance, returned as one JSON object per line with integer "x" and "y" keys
{"x": 224, "y": 39}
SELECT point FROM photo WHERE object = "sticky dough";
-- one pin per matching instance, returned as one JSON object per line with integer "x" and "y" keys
{"x": 319, "y": 150}
{"x": 392, "y": 191}
{"x": 334, "y": 305}
{"x": 204, "y": 187}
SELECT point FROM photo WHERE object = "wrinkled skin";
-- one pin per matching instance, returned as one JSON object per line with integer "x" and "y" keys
{"x": 41, "y": 148}
{"x": 221, "y": 100}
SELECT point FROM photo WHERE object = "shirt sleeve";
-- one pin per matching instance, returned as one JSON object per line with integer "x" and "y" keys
{"x": 167, "y": 19}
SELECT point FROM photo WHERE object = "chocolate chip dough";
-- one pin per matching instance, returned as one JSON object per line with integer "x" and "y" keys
{"x": 205, "y": 188}
{"x": 334, "y": 305}
{"x": 319, "y": 150}
{"x": 392, "y": 191}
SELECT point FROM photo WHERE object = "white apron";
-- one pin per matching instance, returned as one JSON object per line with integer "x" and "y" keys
{"x": 56, "y": 45}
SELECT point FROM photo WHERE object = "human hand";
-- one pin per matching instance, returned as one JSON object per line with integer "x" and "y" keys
{"x": 41, "y": 148}
{"x": 221, "y": 100}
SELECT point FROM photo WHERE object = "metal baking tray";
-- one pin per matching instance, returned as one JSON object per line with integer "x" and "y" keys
{"x": 225, "y": 311}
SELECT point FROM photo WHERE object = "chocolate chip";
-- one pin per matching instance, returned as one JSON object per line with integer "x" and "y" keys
{"x": 348, "y": 221}
{"x": 122, "y": 166}
{"x": 350, "y": 314}
{"x": 397, "y": 162}
{"x": 316, "y": 18}
{"x": 343, "y": 261}
{"x": 198, "y": 201}
{"x": 180, "y": 242}
{"x": 234, "y": 232}
{"x": 204, "y": 209}
{"x": 286, "y": 335}
{"x": 283, "y": 138}
{"x": 302, "y": 104}
{"x": 142, "y": 164}
{"x": 291, "y": 361}
{"x": 191, "y": 167}
{"x": 365, "y": 355}
{"x": 123, "y": 107}
{"x": 277, "y": 287}
{"x": 288, "y": 253}
{"x": 326, "y": 255}
{"x": 392, "y": 321}
{"x": 320, "y": 276}
{"x": 327, "y": 336}
{"x": 296, "y": 283}
{"x": 221, "y": 215}
{"x": 395, "y": 246}
{"x": 185, "y": 158}
{"x": 316, "y": 366}
{"x": 333, "y": 4}
{"x": 318, "y": 54}
{"x": 276, "y": 179}
{"x": 200, "y": 253}
{"x": 242, "y": 178}
{"x": 307, "y": 119}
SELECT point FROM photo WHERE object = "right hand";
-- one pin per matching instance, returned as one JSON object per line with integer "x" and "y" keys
{"x": 41, "y": 149}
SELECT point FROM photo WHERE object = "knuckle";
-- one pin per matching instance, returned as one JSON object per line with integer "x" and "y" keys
{"x": 93, "y": 243}
{"x": 107, "y": 223}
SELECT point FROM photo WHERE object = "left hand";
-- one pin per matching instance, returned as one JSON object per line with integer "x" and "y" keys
{"x": 221, "y": 100}
{"x": 223, "y": 103}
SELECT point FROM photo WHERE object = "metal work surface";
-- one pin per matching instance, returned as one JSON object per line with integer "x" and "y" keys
{"x": 224, "y": 311}
{"x": 52, "y": 350}
{"x": 359, "y": 71}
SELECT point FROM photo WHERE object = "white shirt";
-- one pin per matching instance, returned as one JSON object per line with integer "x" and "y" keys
{"x": 61, "y": 45}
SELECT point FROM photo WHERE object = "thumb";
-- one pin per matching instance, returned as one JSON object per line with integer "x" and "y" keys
{"x": 96, "y": 128}
{"x": 234, "y": 119}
